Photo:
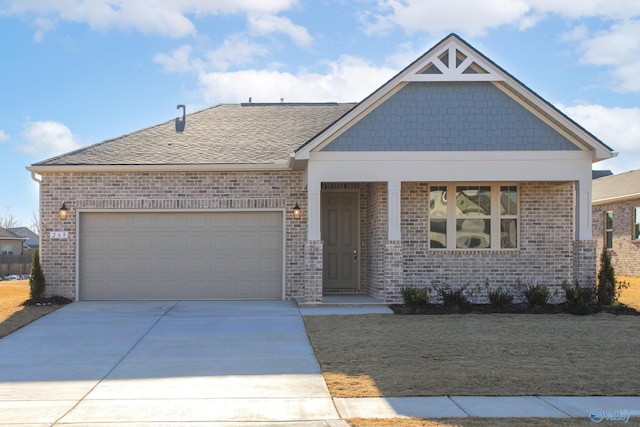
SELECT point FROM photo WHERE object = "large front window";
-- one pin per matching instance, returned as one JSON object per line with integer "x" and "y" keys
{"x": 477, "y": 217}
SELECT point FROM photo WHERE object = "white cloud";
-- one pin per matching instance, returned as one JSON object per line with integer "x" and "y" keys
{"x": 236, "y": 50}
{"x": 618, "y": 48}
{"x": 47, "y": 138}
{"x": 619, "y": 128}
{"x": 3, "y": 136}
{"x": 166, "y": 18}
{"x": 178, "y": 61}
{"x": 349, "y": 79}
{"x": 268, "y": 24}
{"x": 477, "y": 17}
{"x": 437, "y": 17}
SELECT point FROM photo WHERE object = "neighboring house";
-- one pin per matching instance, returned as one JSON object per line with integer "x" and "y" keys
{"x": 33, "y": 240}
{"x": 616, "y": 220}
{"x": 453, "y": 171}
{"x": 10, "y": 242}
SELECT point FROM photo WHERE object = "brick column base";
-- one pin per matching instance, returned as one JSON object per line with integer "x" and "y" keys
{"x": 313, "y": 271}
{"x": 584, "y": 262}
{"x": 393, "y": 271}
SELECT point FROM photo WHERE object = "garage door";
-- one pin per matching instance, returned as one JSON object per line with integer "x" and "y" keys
{"x": 184, "y": 256}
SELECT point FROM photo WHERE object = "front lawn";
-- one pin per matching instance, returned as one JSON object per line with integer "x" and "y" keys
{"x": 14, "y": 315}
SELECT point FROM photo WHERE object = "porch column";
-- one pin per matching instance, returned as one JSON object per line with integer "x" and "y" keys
{"x": 313, "y": 247}
{"x": 313, "y": 216}
{"x": 393, "y": 207}
{"x": 583, "y": 208}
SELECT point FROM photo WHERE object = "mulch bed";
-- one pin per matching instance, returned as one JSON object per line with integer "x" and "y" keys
{"x": 54, "y": 300}
{"x": 517, "y": 308}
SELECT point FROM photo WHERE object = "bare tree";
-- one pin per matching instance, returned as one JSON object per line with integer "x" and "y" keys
{"x": 35, "y": 222}
{"x": 8, "y": 220}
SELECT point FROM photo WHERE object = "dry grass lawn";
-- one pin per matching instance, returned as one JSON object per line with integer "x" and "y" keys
{"x": 13, "y": 315}
{"x": 499, "y": 354}
{"x": 631, "y": 295}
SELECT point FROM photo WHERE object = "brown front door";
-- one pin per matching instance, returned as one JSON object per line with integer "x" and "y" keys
{"x": 341, "y": 253}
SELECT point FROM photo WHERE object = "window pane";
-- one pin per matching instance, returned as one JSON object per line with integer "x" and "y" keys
{"x": 636, "y": 232}
{"x": 509, "y": 233}
{"x": 508, "y": 200}
{"x": 473, "y": 200}
{"x": 608, "y": 220}
{"x": 609, "y": 238}
{"x": 438, "y": 201}
{"x": 636, "y": 223}
{"x": 438, "y": 233}
{"x": 473, "y": 233}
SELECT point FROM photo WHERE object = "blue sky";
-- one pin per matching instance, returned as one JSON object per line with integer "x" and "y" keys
{"x": 77, "y": 72}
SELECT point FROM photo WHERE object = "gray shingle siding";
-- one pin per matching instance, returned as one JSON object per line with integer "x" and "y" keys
{"x": 470, "y": 116}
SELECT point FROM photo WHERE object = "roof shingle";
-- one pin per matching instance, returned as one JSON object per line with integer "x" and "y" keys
{"x": 223, "y": 134}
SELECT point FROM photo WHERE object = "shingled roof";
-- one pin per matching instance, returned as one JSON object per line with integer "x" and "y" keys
{"x": 252, "y": 133}
{"x": 613, "y": 188}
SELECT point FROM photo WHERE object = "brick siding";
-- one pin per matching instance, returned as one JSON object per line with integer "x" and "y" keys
{"x": 625, "y": 254}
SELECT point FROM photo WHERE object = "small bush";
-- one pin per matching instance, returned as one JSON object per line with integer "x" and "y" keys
{"x": 451, "y": 296}
{"x": 36, "y": 281}
{"x": 500, "y": 298}
{"x": 537, "y": 295}
{"x": 414, "y": 296}
{"x": 580, "y": 299}
{"x": 606, "y": 280}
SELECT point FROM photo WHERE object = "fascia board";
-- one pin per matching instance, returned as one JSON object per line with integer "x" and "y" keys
{"x": 41, "y": 169}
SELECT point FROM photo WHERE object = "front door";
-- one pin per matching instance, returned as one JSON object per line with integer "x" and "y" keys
{"x": 341, "y": 251}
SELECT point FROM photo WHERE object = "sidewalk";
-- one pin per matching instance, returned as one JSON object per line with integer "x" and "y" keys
{"x": 490, "y": 407}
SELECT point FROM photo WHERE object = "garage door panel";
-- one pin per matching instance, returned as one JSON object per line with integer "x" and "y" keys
{"x": 188, "y": 255}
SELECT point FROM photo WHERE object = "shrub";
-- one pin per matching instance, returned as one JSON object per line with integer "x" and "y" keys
{"x": 414, "y": 296}
{"x": 606, "y": 280}
{"x": 537, "y": 295}
{"x": 452, "y": 296}
{"x": 580, "y": 299}
{"x": 36, "y": 281}
{"x": 500, "y": 298}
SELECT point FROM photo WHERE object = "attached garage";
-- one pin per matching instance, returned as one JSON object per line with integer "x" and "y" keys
{"x": 181, "y": 255}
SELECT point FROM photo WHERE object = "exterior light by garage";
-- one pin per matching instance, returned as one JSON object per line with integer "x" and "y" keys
{"x": 64, "y": 211}
{"x": 297, "y": 212}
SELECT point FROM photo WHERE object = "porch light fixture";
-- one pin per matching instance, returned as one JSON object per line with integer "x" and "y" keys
{"x": 64, "y": 211}
{"x": 297, "y": 212}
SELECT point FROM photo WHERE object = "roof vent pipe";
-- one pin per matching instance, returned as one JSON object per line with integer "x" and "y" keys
{"x": 181, "y": 122}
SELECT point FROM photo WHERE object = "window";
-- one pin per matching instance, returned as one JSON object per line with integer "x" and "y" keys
{"x": 479, "y": 217}
{"x": 608, "y": 229}
{"x": 7, "y": 249}
{"x": 636, "y": 224}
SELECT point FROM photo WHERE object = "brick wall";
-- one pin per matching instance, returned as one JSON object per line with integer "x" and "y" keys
{"x": 376, "y": 237}
{"x": 165, "y": 191}
{"x": 545, "y": 255}
{"x": 625, "y": 254}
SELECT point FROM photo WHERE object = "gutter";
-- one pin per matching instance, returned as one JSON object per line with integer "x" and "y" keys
{"x": 39, "y": 169}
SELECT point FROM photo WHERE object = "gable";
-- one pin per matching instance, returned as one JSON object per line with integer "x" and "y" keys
{"x": 450, "y": 116}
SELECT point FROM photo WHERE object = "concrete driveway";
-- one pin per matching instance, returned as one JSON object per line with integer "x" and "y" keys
{"x": 161, "y": 363}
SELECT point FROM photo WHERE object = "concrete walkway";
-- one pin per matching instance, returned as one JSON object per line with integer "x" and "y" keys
{"x": 211, "y": 363}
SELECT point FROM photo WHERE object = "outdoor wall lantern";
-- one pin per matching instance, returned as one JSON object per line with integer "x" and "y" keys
{"x": 64, "y": 211}
{"x": 297, "y": 212}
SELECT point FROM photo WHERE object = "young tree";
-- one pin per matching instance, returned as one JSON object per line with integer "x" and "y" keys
{"x": 606, "y": 280}
{"x": 36, "y": 281}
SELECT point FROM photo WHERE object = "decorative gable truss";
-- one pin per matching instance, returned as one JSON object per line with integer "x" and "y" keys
{"x": 452, "y": 62}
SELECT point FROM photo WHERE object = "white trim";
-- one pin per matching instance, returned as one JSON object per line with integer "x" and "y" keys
{"x": 283, "y": 211}
{"x": 617, "y": 199}
{"x": 159, "y": 168}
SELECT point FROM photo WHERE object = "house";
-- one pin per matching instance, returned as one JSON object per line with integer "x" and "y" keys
{"x": 33, "y": 240}
{"x": 452, "y": 171}
{"x": 10, "y": 242}
{"x": 616, "y": 220}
